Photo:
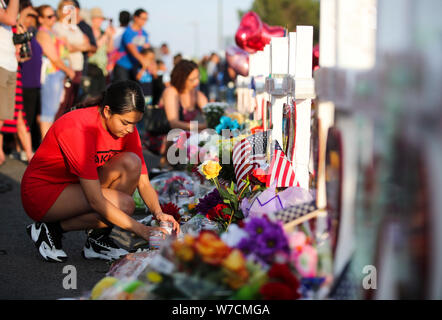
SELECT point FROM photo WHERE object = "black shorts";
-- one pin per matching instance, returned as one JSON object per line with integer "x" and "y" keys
{"x": 31, "y": 104}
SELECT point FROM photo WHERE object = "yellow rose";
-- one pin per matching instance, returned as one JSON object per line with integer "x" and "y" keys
{"x": 192, "y": 206}
{"x": 210, "y": 169}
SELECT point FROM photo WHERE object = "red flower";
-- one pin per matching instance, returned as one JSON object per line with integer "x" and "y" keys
{"x": 285, "y": 285}
{"x": 282, "y": 272}
{"x": 260, "y": 175}
{"x": 172, "y": 209}
{"x": 216, "y": 213}
{"x": 277, "y": 291}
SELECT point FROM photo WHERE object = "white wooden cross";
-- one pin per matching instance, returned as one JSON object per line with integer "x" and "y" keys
{"x": 291, "y": 77}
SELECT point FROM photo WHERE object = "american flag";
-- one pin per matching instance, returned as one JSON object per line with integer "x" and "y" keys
{"x": 281, "y": 170}
{"x": 247, "y": 155}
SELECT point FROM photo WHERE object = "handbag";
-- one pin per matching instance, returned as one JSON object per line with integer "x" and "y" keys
{"x": 156, "y": 121}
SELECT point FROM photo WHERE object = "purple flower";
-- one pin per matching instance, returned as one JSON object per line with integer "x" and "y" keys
{"x": 211, "y": 200}
{"x": 271, "y": 242}
{"x": 266, "y": 241}
{"x": 257, "y": 226}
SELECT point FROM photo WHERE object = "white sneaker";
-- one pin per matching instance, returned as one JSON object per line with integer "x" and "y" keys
{"x": 47, "y": 241}
{"x": 102, "y": 247}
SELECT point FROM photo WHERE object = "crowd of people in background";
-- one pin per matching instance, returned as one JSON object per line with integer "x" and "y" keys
{"x": 53, "y": 59}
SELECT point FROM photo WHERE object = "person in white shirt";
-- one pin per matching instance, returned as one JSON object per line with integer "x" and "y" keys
{"x": 77, "y": 42}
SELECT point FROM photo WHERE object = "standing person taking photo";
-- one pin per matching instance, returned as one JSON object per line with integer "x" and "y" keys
{"x": 19, "y": 126}
{"x": 8, "y": 66}
{"x": 134, "y": 39}
{"x": 88, "y": 167}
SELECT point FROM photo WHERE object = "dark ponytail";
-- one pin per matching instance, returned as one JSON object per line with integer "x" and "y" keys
{"x": 121, "y": 97}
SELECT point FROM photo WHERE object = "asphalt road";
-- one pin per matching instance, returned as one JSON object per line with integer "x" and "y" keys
{"x": 23, "y": 273}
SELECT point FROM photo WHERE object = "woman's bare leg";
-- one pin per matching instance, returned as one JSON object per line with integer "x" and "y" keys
{"x": 24, "y": 136}
{"x": 119, "y": 179}
{"x": 44, "y": 128}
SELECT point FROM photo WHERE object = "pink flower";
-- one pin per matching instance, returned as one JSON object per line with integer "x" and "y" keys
{"x": 297, "y": 241}
{"x": 306, "y": 261}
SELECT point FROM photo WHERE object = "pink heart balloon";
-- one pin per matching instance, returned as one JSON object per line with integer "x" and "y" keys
{"x": 269, "y": 32}
{"x": 252, "y": 34}
{"x": 238, "y": 60}
{"x": 249, "y": 31}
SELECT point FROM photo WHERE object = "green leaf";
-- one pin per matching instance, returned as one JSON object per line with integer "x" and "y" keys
{"x": 224, "y": 194}
{"x": 238, "y": 214}
{"x": 226, "y": 201}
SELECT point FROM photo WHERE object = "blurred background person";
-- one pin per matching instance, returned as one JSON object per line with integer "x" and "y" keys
{"x": 134, "y": 39}
{"x": 212, "y": 73}
{"x": 31, "y": 74}
{"x": 228, "y": 82}
{"x": 145, "y": 74}
{"x": 97, "y": 70}
{"x": 183, "y": 101}
{"x": 204, "y": 78}
{"x": 18, "y": 126}
{"x": 115, "y": 55}
{"x": 124, "y": 19}
{"x": 166, "y": 57}
{"x": 55, "y": 67}
{"x": 8, "y": 67}
{"x": 77, "y": 42}
{"x": 87, "y": 31}
{"x": 160, "y": 82}
{"x": 177, "y": 58}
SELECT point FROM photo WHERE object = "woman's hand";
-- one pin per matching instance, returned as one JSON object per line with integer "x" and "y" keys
{"x": 145, "y": 231}
{"x": 168, "y": 218}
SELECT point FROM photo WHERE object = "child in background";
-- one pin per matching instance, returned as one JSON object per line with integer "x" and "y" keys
{"x": 160, "y": 82}
{"x": 145, "y": 76}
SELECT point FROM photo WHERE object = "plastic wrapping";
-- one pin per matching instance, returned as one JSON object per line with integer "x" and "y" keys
{"x": 131, "y": 265}
{"x": 270, "y": 201}
{"x": 199, "y": 223}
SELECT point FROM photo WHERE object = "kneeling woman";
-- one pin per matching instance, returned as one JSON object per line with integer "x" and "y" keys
{"x": 83, "y": 175}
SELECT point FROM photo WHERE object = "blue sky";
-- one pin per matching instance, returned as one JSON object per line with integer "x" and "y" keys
{"x": 171, "y": 20}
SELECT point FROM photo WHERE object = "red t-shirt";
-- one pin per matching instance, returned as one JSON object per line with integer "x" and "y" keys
{"x": 74, "y": 147}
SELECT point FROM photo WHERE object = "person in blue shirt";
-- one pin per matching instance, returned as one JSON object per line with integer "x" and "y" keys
{"x": 133, "y": 41}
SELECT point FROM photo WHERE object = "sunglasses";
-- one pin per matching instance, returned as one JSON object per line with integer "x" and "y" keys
{"x": 32, "y": 15}
{"x": 50, "y": 16}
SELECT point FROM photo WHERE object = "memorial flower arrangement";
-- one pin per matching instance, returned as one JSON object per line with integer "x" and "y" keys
{"x": 213, "y": 112}
{"x": 222, "y": 206}
{"x": 256, "y": 260}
